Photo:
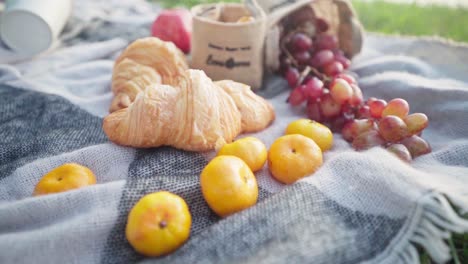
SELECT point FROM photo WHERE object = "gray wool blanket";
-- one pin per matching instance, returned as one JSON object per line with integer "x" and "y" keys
{"x": 360, "y": 207}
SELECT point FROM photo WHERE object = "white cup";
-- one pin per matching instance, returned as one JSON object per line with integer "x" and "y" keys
{"x": 32, "y": 26}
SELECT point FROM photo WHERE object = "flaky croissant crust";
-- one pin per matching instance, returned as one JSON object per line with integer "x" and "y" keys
{"x": 159, "y": 101}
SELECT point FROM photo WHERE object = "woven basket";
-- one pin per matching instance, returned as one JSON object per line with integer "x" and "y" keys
{"x": 284, "y": 14}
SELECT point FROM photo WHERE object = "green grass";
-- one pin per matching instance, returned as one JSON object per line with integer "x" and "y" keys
{"x": 410, "y": 19}
{"x": 189, "y": 3}
{"x": 461, "y": 245}
{"x": 393, "y": 18}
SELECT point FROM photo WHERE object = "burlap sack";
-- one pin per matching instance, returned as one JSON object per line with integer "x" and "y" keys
{"x": 226, "y": 49}
{"x": 338, "y": 13}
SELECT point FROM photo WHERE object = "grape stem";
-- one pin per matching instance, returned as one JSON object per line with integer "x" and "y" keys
{"x": 304, "y": 74}
{"x": 285, "y": 50}
{"x": 320, "y": 75}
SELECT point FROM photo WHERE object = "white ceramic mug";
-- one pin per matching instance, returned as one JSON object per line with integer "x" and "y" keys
{"x": 32, "y": 26}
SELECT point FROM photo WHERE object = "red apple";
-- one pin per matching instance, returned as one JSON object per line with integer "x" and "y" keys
{"x": 174, "y": 25}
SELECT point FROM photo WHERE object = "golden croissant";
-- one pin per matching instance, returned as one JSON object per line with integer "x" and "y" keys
{"x": 160, "y": 102}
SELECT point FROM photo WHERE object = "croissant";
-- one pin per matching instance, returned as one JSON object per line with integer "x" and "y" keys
{"x": 256, "y": 113}
{"x": 171, "y": 105}
{"x": 144, "y": 62}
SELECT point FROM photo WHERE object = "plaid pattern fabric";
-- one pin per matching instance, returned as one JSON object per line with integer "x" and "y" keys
{"x": 360, "y": 207}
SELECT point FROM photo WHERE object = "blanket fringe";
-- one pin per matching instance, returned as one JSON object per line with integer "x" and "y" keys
{"x": 436, "y": 223}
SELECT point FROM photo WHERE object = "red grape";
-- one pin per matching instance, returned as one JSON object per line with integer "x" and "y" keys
{"x": 416, "y": 123}
{"x": 321, "y": 25}
{"x": 321, "y": 58}
{"x": 324, "y": 41}
{"x": 363, "y": 112}
{"x": 354, "y": 128}
{"x": 329, "y": 107}
{"x": 292, "y": 76}
{"x": 306, "y": 79}
{"x": 333, "y": 96}
{"x": 333, "y": 68}
{"x": 347, "y": 110}
{"x": 339, "y": 122}
{"x": 338, "y": 52}
{"x": 285, "y": 63}
{"x": 302, "y": 57}
{"x": 397, "y": 107}
{"x": 313, "y": 88}
{"x": 343, "y": 60}
{"x": 356, "y": 98}
{"x": 392, "y": 128}
{"x": 416, "y": 146}
{"x": 313, "y": 111}
{"x": 370, "y": 100}
{"x": 376, "y": 107}
{"x": 341, "y": 91}
{"x": 400, "y": 151}
{"x": 300, "y": 42}
{"x": 297, "y": 96}
{"x": 367, "y": 140}
{"x": 348, "y": 132}
{"x": 350, "y": 79}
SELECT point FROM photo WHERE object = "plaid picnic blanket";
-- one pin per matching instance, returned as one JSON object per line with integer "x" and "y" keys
{"x": 360, "y": 207}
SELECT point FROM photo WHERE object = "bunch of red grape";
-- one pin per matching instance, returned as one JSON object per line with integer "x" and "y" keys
{"x": 389, "y": 125}
{"x": 314, "y": 68}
